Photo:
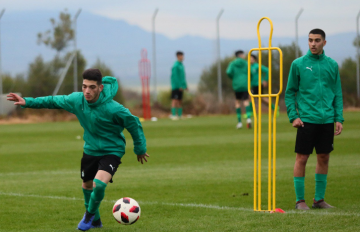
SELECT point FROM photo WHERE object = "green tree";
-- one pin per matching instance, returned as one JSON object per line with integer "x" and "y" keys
{"x": 106, "y": 71}
{"x": 61, "y": 33}
{"x": 348, "y": 82}
{"x": 10, "y": 84}
{"x": 67, "y": 86}
{"x": 356, "y": 41}
{"x": 41, "y": 78}
{"x": 209, "y": 82}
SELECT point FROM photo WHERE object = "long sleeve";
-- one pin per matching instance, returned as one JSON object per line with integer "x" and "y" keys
{"x": 290, "y": 93}
{"x": 338, "y": 101}
{"x": 264, "y": 73}
{"x": 175, "y": 78}
{"x": 133, "y": 125}
{"x": 229, "y": 71}
{"x": 65, "y": 102}
{"x": 182, "y": 77}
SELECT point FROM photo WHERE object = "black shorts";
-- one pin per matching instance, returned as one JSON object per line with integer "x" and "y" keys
{"x": 255, "y": 90}
{"x": 242, "y": 95}
{"x": 90, "y": 165}
{"x": 177, "y": 94}
{"x": 320, "y": 136}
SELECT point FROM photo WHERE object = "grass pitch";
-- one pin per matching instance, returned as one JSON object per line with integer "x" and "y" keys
{"x": 199, "y": 178}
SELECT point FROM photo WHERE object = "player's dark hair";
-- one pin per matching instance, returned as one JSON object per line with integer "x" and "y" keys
{"x": 179, "y": 53}
{"x": 240, "y": 52}
{"x": 318, "y": 31}
{"x": 255, "y": 57}
{"x": 93, "y": 74}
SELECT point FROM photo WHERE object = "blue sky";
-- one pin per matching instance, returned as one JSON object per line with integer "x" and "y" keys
{"x": 197, "y": 17}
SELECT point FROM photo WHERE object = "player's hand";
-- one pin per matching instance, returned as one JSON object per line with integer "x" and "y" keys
{"x": 16, "y": 98}
{"x": 298, "y": 123}
{"x": 180, "y": 89}
{"x": 141, "y": 158}
{"x": 338, "y": 128}
{"x": 264, "y": 84}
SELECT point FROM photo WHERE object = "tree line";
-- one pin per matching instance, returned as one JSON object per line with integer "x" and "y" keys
{"x": 42, "y": 76}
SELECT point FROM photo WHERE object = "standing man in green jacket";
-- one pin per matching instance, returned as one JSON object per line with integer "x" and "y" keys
{"x": 255, "y": 80}
{"x": 314, "y": 103}
{"x": 103, "y": 120}
{"x": 237, "y": 71}
{"x": 178, "y": 85}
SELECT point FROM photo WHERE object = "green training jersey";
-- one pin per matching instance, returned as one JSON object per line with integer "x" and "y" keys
{"x": 313, "y": 91}
{"x": 103, "y": 121}
{"x": 237, "y": 71}
{"x": 178, "y": 78}
{"x": 255, "y": 74}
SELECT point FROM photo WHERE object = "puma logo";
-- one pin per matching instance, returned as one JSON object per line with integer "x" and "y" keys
{"x": 112, "y": 168}
{"x": 309, "y": 68}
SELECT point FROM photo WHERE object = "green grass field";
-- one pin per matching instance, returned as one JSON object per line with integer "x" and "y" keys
{"x": 199, "y": 178}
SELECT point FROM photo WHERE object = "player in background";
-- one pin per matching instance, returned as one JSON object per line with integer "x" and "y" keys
{"x": 255, "y": 81}
{"x": 103, "y": 120}
{"x": 314, "y": 103}
{"x": 178, "y": 85}
{"x": 237, "y": 71}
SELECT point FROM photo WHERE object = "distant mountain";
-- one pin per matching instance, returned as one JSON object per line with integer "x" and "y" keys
{"x": 118, "y": 44}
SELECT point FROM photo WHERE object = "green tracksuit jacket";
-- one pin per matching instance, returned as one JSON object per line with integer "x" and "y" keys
{"x": 178, "y": 76}
{"x": 103, "y": 121}
{"x": 255, "y": 74}
{"x": 237, "y": 71}
{"x": 313, "y": 91}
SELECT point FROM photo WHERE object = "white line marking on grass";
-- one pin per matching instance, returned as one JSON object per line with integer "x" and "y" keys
{"x": 38, "y": 173}
{"x": 191, "y": 205}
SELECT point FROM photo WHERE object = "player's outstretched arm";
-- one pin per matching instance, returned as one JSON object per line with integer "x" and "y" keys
{"x": 141, "y": 158}
{"x": 16, "y": 98}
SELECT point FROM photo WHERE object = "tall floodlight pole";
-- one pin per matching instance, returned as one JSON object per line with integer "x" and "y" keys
{"x": 296, "y": 33}
{"x": 1, "y": 87}
{"x": 358, "y": 55}
{"x": 154, "y": 53}
{"x": 218, "y": 56}
{"x": 75, "y": 52}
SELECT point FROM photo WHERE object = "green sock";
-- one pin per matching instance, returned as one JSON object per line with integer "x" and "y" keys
{"x": 320, "y": 186}
{"x": 87, "y": 194}
{"x": 251, "y": 108}
{"x": 248, "y": 111}
{"x": 173, "y": 111}
{"x": 238, "y": 113}
{"x": 96, "y": 196}
{"x": 299, "y": 183}
{"x": 273, "y": 106}
{"x": 179, "y": 111}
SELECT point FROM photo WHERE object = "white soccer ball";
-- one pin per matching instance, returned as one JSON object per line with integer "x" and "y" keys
{"x": 126, "y": 211}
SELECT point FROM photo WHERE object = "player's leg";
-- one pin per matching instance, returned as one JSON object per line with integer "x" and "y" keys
{"x": 179, "y": 104}
{"x": 89, "y": 168}
{"x": 303, "y": 148}
{"x": 248, "y": 108}
{"x": 324, "y": 146}
{"x": 107, "y": 166}
{"x": 299, "y": 180}
{"x": 174, "y": 102}
{"x": 238, "y": 109}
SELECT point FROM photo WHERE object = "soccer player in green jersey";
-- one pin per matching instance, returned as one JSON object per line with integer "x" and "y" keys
{"x": 314, "y": 103}
{"x": 237, "y": 72}
{"x": 103, "y": 120}
{"x": 255, "y": 80}
{"x": 178, "y": 85}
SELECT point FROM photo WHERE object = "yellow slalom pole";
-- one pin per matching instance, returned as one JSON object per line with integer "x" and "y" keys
{"x": 271, "y": 127}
